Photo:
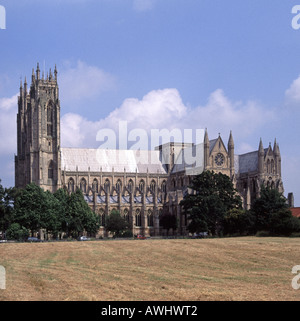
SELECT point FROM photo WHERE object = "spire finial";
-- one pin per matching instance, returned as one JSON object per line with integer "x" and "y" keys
{"x": 38, "y": 71}
{"x": 55, "y": 73}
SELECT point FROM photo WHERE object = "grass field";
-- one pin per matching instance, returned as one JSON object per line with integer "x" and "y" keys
{"x": 248, "y": 268}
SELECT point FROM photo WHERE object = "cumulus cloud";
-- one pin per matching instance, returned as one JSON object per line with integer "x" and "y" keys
{"x": 220, "y": 114}
{"x": 158, "y": 109}
{"x": 164, "y": 109}
{"x": 83, "y": 81}
{"x": 8, "y": 128}
{"x": 292, "y": 94}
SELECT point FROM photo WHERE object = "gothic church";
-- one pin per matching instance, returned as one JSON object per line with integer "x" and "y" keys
{"x": 119, "y": 179}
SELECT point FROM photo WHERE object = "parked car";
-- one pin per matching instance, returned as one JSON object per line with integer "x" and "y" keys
{"x": 84, "y": 238}
{"x": 141, "y": 237}
{"x": 200, "y": 235}
{"x": 33, "y": 239}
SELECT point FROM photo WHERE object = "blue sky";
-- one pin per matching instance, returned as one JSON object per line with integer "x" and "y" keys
{"x": 221, "y": 64}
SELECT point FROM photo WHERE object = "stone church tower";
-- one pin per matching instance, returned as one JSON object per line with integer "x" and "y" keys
{"x": 38, "y": 156}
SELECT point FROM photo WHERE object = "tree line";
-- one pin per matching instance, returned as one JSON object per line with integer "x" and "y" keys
{"x": 215, "y": 206}
{"x": 29, "y": 210}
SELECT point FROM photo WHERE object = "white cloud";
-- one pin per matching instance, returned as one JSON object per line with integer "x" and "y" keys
{"x": 83, "y": 81}
{"x": 8, "y": 128}
{"x": 164, "y": 109}
{"x": 222, "y": 115}
{"x": 292, "y": 94}
{"x": 158, "y": 109}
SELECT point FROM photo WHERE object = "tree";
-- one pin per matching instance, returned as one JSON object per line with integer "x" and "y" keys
{"x": 212, "y": 197}
{"x": 49, "y": 218}
{"x": 17, "y": 232}
{"x": 79, "y": 217}
{"x": 7, "y": 196}
{"x": 238, "y": 221}
{"x": 32, "y": 208}
{"x": 62, "y": 213}
{"x": 116, "y": 224}
{"x": 272, "y": 214}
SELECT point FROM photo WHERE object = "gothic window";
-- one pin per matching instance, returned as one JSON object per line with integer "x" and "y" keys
{"x": 95, "y": 185}
{"x": 101, "y": 217}
{"x": 138, "y": 220}
{"x": 126, "y": 215}
{"x": 106, "y": 186}
{"x": 272, "y": 167}
{"x": 83, "y": 185}
{"x": 119, "y": 186}
{"x": 49, "y": 120}
{"x": 164, "y": 187}
{"x": 49, "y": 114}
{"x": 268, "y": 166}
{"x": 150, "y": 218}
{"x": 71, "y": 185}
{"x": 130, "y": 186}
{"x": 152, "y": 186}
{"x": 141, "y": 186}
{"x": 50, "y": 170}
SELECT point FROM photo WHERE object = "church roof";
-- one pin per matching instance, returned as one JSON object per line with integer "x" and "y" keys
{"x": 190, "y": 159}
{"x": 131, "y": 161}
{"x": 246, "y": 162}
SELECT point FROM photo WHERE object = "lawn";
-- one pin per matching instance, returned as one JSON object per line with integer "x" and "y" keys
{"x": 248, "y": 268}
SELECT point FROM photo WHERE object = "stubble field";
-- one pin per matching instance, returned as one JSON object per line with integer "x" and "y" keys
{"x": 247, "y": 268}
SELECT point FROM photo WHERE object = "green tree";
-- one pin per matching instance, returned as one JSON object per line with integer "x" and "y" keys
{"x": 272, "y": 214}
{"x": 17, "y": 232}
{"x": 79, "y": 217}
{"x": 212, "y": 197}
{"x": 116, "y": 224}
{"x": 32, "y": 208}
{"x": 238, "y": 221}
{"x": 7, "y": 196}
{"x": 49, "y": 218}
{"x": 62, "y": 213}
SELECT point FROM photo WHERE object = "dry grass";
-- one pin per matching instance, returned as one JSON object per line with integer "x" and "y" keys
{"x": 247, "y": 268}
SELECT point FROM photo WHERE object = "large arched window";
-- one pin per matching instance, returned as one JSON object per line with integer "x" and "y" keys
{"x": 101, "y": 217}
{"x": 272, "y": 167}
{"x": 130, "y": 186}
{"x": 138, "y": 220}
{"x": 141, "y": 186}
{"x": 71, "y": 185}
{"x": 268, "y": 166}
{"x": 83, "y": 185}
{"x": 119, "y": 186}
{"x": 50, "y": 170}
{"x": 49, "y": 119}
{"x": 126, "y": 215}
{"x": 150, "y": 218}
{"x": 107, "y": 186}
{"x": 95, "y": 185}
{"x": 152, "y": 186}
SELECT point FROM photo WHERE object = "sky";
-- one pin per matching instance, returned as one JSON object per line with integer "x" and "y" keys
{"x": 159, "y": 64}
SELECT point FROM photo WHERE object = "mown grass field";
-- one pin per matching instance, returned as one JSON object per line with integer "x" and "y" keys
{"x": 248, "y": 268}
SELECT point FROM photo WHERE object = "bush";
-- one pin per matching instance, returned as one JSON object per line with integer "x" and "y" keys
{"x": 263, "y": 233}
{"x": 127, "y": 233}
{"x": 17, "y": 232}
